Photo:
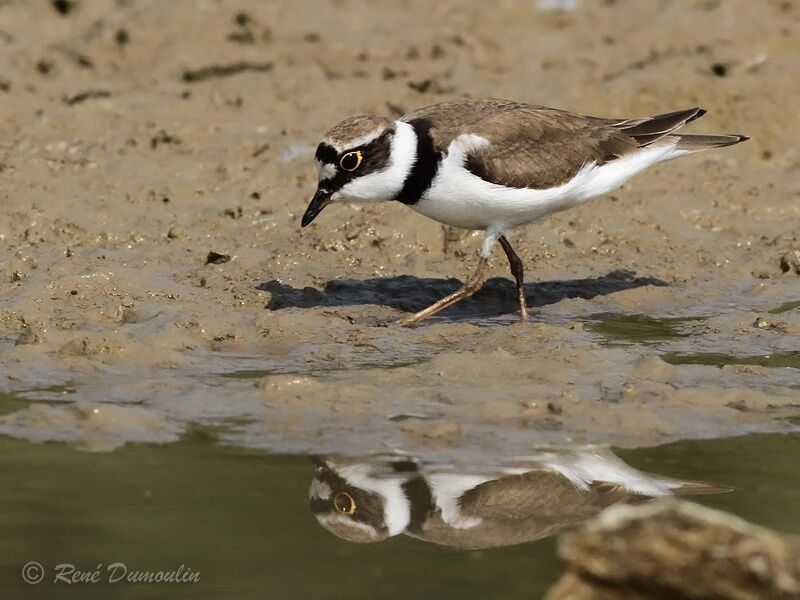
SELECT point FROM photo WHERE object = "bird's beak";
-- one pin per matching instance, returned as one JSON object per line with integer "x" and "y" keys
{"x": 318, "y": 202}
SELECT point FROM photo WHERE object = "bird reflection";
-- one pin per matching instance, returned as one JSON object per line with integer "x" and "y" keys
{"x": 371, "y": 498}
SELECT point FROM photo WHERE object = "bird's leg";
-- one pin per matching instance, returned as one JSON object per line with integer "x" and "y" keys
{"x": 517, "y": 270}
{"x": 472, "y": 285}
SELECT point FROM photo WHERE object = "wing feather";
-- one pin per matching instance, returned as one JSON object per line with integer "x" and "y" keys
{"x": 538, "y": 147}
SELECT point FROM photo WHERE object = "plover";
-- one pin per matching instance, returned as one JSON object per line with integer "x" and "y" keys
{"x": 493, "y": 165}
{"x": 372, "y": 498}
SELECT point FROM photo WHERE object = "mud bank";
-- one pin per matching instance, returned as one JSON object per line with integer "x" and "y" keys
{"x": 155, "y": 159}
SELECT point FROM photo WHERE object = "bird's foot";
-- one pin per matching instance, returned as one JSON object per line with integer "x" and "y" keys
{"x": 408, "y": 321}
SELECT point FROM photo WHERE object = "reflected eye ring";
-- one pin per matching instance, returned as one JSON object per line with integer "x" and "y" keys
{"x": 344, "y": 503}
{"x": 351, "y": 160}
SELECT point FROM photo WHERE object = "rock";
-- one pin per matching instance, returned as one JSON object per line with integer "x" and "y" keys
{"x": 676, "y": 550}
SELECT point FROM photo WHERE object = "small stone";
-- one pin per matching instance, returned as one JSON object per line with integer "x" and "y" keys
{"x": 125, "y": 315}
{"x": 215, "y": 258}
{"x": 64, "y": 7}
{"x": 720, "y": 69}
{"x": 242, "y": 19}
{"x": 122, "y": 37}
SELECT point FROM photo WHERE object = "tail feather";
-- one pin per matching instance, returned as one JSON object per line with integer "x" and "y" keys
{"x": 652, "y": 129}
{"x": 694, "y": 142}
{"x": 648, "y": 130}
{"x": 697, "y": 488}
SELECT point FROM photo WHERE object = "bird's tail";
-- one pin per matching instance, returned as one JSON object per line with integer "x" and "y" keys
{"x": 659, "y": 128}
{"x": 695, "y": 488}
{"x": 694, "y": 142}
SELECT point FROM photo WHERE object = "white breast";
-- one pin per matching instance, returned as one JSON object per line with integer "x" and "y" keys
{"x": 461, "y": 199}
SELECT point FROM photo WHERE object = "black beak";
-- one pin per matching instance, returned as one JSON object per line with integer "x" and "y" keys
{"x": 318, "y": 462}
{"x": 318, "y": 202}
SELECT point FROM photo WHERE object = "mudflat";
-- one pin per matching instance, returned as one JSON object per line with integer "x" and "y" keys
{"x": 156, "y": 158}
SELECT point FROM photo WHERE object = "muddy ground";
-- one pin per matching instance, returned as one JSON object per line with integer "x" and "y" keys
{"x": 156, "y": 157}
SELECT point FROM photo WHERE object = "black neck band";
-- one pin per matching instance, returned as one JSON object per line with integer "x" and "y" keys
{"x": 424, "y": 169}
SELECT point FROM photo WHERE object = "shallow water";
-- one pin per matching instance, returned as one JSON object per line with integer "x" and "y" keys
{"x": 643, "y": 329}
{"x": 775, "y": 360}
{"x": 117, "y": 329}
{"x": 241, "y": 519}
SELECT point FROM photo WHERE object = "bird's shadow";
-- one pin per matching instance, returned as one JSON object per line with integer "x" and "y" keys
{"x": 407, "y": 293}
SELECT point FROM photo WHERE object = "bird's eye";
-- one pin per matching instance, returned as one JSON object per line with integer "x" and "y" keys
{"x": 344, "y": 503}
{"x": 351, "y": 160}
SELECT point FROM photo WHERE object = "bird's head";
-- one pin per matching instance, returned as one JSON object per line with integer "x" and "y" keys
{"x": 352, "y": 501}
{"x": 362, "y": 159}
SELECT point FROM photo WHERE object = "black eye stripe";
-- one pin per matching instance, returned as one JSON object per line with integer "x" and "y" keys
{"x": 375, "y": 155}
{"x": 326, "y": 153}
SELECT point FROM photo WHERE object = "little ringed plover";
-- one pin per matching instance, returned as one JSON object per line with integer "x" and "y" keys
{"x": 493, "y": 165}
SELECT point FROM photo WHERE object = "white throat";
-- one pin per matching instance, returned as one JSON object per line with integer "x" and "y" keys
{"x": 386, "y": 183}
{"x": 396, "y": 508}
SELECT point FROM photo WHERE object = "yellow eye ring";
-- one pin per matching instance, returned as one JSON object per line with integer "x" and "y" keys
{"x": 351, "y": 160}
{"x": 344, "y": 503}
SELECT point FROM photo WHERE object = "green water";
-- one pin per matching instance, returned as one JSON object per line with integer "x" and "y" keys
{"x": 640, "y": 329}
{"x": 785, "y": 307}
{"x": 241, "y": 520}
{"x": 763, "y": 469}
{"x": 717, "y": 359}
{"x": 643, "y": 329}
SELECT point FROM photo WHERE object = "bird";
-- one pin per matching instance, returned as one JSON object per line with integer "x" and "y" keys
{"x": 493, "y": 165}
{"x": 374, "y": 497}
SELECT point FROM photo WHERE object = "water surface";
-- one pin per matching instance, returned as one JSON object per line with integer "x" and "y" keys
{"x": 241, "y": 519}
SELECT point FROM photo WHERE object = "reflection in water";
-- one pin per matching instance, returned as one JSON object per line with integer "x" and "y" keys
{"x": 371, "y": 498}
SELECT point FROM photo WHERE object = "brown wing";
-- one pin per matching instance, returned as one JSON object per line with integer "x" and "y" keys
{"x": 541, "y": 494}
{"x": 539, "y": 147}
{"x": 521, "y": 508}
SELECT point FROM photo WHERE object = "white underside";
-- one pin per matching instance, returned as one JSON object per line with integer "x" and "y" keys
{"x": 447, "y": 489}
{"x": 461, "y": 199}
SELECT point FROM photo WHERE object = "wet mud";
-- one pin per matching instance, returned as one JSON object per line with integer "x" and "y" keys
{"x": 155, "y": 161}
